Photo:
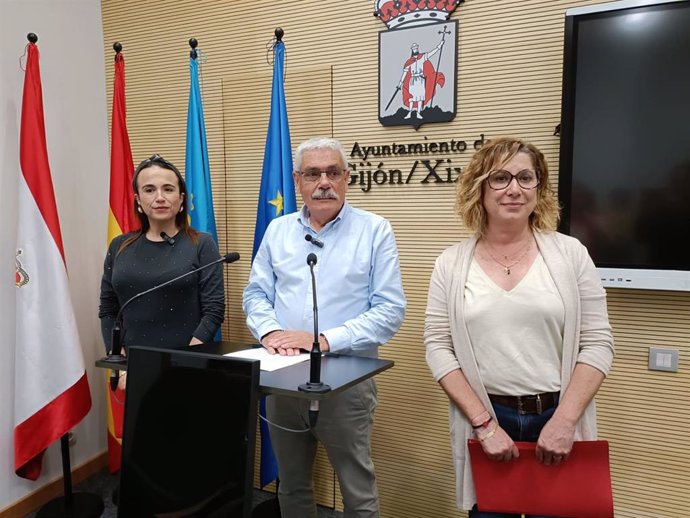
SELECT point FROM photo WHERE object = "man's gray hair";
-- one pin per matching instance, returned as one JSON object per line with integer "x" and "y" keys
{"x": 319, "y": 143}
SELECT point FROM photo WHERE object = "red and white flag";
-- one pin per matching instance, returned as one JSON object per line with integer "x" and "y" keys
{"x": 51, "y": 388}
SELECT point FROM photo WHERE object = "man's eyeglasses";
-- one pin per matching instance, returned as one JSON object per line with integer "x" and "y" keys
{"x": 314, "y": 175}
{"x": 527, "y": 179}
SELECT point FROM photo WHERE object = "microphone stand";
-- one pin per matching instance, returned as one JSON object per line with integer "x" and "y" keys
{"x": 314, "y": 385}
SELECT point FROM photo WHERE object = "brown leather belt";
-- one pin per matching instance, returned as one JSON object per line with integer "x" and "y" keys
{"x": 535, "y": 404}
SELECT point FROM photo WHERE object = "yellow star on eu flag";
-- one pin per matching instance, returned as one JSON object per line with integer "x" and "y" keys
{"x": 277, "y": 203}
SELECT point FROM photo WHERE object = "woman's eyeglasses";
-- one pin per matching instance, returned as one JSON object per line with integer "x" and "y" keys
{"x": 527, "y": 179}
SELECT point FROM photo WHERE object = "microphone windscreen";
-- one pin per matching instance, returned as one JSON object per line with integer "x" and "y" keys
{"x": 231, "y": 257}
{"x": 311, "y": 259}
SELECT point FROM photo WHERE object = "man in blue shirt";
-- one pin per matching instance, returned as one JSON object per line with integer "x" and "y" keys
{"x": 361, "y": 306}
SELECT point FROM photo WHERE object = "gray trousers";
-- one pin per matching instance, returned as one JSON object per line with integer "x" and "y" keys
{"x": 344, "y": 429}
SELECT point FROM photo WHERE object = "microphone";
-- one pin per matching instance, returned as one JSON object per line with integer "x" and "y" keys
{"x": 311, "y": 261}
{"x": 116, "y": 333}
{"x": 314, "y": 385}
{"x": 168, "y": 239}
{"x": 314, "y": 241}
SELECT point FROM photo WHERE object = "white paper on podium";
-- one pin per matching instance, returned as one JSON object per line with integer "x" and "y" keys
{"x": 269, "y": 362}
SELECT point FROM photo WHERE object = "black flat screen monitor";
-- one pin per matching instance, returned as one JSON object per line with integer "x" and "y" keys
{"x": 625, "y": 140}
{"x": 189, "y": 435}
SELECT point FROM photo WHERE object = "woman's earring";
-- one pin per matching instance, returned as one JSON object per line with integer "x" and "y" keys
{"x": 139, "y": 210}
{"x": 181, "y": 208}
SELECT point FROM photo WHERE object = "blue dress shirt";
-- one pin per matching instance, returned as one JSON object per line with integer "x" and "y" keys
{"x": 360, "y": 297}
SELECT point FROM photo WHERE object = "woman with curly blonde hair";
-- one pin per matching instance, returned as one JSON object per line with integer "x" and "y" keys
{"x": 517, "y": 331}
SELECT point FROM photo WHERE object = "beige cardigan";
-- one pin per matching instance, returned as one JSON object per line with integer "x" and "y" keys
{"x": 587, "y": 336}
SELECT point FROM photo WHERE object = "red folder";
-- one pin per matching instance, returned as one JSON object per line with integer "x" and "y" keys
{"x": 578, "y": 488}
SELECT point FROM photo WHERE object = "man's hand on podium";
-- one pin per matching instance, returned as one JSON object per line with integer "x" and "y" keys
{"x": 291, "y": 343}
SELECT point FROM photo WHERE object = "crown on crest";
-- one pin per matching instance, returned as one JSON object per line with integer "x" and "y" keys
{"x": 396, "y": 13}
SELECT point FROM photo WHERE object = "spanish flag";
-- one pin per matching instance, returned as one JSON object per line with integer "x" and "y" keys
{"x": 121, "y": 219}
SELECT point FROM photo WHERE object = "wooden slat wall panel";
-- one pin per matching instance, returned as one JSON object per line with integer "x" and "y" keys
{"x": 509, "y": 82}
{"x": 649, "y": 466}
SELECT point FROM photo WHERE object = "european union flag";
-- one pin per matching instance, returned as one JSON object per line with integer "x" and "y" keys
{"x": 276, "y": 197}
{"x": 197, "y": 170}
{"x": 277, "y": 194}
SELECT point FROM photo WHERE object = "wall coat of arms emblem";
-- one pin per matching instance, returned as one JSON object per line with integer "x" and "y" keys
{"x": 417, "y": 61}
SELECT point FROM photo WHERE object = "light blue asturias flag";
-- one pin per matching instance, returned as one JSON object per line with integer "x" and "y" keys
{"x": 197, "y": 170}
{"x": 276, "y": 197}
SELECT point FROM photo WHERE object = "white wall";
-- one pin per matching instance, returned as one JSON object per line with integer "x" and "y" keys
{"x": 74, "y": 97}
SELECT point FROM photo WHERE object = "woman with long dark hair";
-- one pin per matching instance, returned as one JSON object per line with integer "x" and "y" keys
{"x": 187, "y": 312}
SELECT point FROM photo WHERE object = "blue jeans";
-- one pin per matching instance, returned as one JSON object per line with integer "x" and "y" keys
{"x": 525, "y": 427}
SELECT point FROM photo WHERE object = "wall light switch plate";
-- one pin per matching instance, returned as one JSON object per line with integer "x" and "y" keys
{"x": 663, "y": 359}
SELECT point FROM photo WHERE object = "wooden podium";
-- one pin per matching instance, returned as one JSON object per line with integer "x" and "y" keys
{"x": 177, "y": 433}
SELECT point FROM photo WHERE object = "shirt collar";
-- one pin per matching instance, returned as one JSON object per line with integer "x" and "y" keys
{"x": 303, "y": 217}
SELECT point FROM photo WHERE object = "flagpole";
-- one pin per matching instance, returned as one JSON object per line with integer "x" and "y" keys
{"x": 69, "y": 505}
{"x": 269, "y": 508}
{"x": 197, "y": 160}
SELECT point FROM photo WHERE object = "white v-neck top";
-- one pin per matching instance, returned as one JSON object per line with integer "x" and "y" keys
{"x": 517, "y": 335}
